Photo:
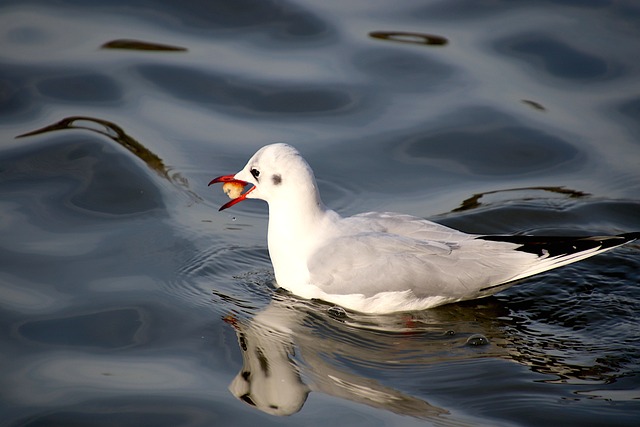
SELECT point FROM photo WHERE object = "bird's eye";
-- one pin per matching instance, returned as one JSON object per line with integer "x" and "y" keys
{"x": 255, "y": 172}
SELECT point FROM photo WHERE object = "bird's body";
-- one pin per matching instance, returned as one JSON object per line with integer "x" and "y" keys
{"x": 387, "y": 262}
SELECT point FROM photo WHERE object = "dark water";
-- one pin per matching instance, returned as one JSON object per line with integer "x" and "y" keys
{"x": 127, "y": 299}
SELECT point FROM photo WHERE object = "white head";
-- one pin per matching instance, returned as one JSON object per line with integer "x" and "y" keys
{"x": 279, "y": 174}
{"x": 282, "y": 178}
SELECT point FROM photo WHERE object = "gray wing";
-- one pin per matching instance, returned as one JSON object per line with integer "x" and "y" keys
{"x": 384, "y": 252}
{"x": 406, "y": 226}
{"x": 368, "y": 263}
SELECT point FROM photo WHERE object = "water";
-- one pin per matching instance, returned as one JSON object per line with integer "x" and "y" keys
{"x": 127, "y": 299}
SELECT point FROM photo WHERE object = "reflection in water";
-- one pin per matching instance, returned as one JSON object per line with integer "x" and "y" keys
{"x": 556, "y": 57}
{"x": 87, "y": 329}
{"x": 536, "y": 105}
{"x": 473, "y": 202}
{"x": 240, "y": 95}
{"x": 291, "y": 340}
{"x": 82, "y": 87}
{"x": 409, "y": 37}
{"x": 118, "y": 135}
{"x": 129, "y": 44}
{"x": 469, "y": 147}
{"x": 294, "y": 347}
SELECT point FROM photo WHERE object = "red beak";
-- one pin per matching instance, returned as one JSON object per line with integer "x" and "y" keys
{"x": 230, "y": 178}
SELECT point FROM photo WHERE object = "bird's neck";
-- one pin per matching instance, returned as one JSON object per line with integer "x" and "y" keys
{"x": 294, "y": 230}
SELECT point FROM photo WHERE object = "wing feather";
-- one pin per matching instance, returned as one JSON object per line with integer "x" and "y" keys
{"x": 377, "y": 253}
{"x": 374, "y": 262}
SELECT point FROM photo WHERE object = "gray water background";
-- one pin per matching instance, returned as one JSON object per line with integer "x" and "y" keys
{"x": 127, "y": 299}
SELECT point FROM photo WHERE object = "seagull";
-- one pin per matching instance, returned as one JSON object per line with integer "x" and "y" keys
{"x": 384, "y": 262}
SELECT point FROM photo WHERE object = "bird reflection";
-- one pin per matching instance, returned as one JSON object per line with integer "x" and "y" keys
{"x": 269, "y": 379}
{"x": 294, "y": 347}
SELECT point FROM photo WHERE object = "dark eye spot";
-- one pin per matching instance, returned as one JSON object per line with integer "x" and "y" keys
{"x": 255, "y": 172}
{"x": 243, "y": 342}
{"x": 264, "y": 363}
{"x": 247, "y": 398}
{"x": 277, "y": 179}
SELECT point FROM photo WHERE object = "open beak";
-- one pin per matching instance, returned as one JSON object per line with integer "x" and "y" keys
{"x": 230, "y": 178}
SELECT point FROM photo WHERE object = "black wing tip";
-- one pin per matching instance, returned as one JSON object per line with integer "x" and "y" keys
{"x": 563, "y": 245}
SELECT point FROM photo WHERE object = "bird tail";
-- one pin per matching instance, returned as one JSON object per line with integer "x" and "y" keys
{"x": 556, "y": 251}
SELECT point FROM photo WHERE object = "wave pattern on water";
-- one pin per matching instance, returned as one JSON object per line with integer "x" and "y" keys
{"x": 129, "y": 300}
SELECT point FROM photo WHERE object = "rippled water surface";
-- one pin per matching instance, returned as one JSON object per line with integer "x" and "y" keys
{"x": 127, "y": 299}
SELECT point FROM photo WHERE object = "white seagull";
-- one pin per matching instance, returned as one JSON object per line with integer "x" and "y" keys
{"x": 386, "y": 262}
